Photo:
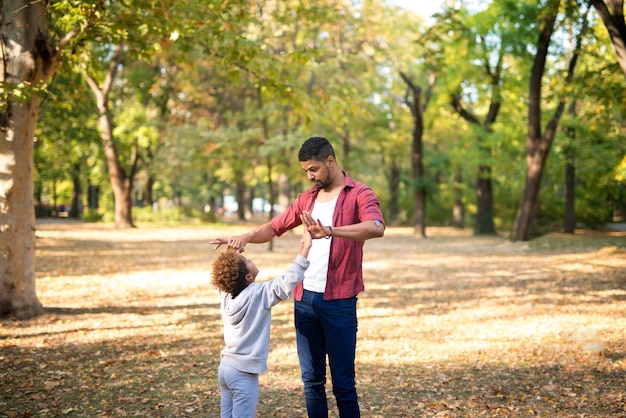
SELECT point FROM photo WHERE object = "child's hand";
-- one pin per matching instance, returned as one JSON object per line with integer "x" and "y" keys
{"x": 234, "y": 244}
{"x": 230, "y": 243}
{"x": 305, "y": 242}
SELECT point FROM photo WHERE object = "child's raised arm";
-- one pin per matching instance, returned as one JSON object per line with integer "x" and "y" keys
{"x": 305, "y": 243}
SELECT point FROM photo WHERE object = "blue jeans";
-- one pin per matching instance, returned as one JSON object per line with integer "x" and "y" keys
{"x": 239, "y": 392}
{"x": 327, "y": 327}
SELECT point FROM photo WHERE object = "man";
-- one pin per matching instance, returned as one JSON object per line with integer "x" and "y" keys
{"x": 340, "y": 214}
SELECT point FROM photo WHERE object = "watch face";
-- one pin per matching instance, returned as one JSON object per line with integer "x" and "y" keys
{"x": 377, "y": 222}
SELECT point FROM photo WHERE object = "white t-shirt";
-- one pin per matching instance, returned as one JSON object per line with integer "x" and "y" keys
{"x": 315, "y": 276}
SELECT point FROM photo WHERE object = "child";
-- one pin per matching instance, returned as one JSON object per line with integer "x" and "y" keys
{"x": 246, "y": 313}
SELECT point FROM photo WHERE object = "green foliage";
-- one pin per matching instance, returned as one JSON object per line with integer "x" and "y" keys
{"x": 216, "y": 96}
{"x": 65, "y": 147}
{"x": 22, "y": 92}
{"x": 92, "y": 215}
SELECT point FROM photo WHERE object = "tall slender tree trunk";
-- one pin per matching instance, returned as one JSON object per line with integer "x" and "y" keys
{"x": 284, "y": 192}
{"x": 538, "y": 145}
{"x": 147, "y": 198}
{"x": 121, "y": 182}
{"x": 570, "y": 196}
{"x": 55, "y": 206}
{"x": 417, "y": 164}
{"x": 418, "y": 105}
{"x": 269, "y": 162}
{"x": 346, "y": 147}
{"x": 93, "y": 196}
{"x": 484, "y": 203}
{"x": 535, "y": 161}
{"x": 240, "y": 195}
{"x": 394, "y": 188}
{"x": 458, "y": 212}
{"x": 570, "y": 178}
{"x": 77, "y": 199}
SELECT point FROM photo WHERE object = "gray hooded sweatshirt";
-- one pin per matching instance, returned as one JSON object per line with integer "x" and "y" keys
{"x": 247, "y": 318}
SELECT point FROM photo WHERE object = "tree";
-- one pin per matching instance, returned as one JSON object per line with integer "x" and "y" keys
{"x": 66, "y": 138}
{"x": 569, "y": 222}
{"x": 32, "y": 51}
{"x": 538, "y": 143}
{"x": 612, "y": 14}
{"x": 417, "y": 102}
{"x": 599, "y": 125}
{"x": 31, "y": 57}
{"x": 121, "y": 179}
{"x": 492, "y": 38}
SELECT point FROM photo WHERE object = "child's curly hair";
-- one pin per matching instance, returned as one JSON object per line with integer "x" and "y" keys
{"x": 229, "y": 273}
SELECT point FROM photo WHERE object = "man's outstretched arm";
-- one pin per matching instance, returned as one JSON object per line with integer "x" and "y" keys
{"x": 258, "y": 235}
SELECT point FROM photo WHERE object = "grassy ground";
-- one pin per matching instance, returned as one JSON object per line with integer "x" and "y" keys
{"x": 450, "y": 326}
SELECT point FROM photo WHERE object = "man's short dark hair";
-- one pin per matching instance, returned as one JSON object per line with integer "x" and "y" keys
{"x": 315, "y": 148}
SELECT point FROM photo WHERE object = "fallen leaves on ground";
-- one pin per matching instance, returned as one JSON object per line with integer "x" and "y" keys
{"x": 449, "y": 326}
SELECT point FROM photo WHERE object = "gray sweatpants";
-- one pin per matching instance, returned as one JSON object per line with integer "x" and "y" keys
{"x": 239, "y": 392}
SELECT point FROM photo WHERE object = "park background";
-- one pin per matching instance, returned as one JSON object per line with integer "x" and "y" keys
{"x": 175, "y": 118}
{"x": 493, "y": 133}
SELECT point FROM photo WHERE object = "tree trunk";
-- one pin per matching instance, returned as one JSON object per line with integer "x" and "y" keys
{"x": 537, "y": 145}
{"x": 417, "y": 164}
{"x": 249, "y": 196}
{"x": 534, "y": 145}
{"x": 27, "y": 57}
{"x": 345, "y": 144}
{"x": 484, "y": 203}
{"x": 240, "y": 196}
{"x": 147, "y": 198}
{"x": 570, "y": 185}
{"x": 535, "y": 162}
{"x": 394, "y": 188}
{"x": 55, "y": 206}
{"x": 93, "y": 198}
{"x": 39, "y": 209}
{"x": 77, "y": 199}
{"x": 570, "y": 178}
{"x": 458, "y": 212}
{"x": 419, "y": 213}
{"x": 176, "y": 195}
{"x": 121, "y": 182}
{"x": 613, "y": 20}
{"x": 270, "y": 167}
{"x": 17, "y": 217}
{"x": 485, "y": 224}
{"x": 284, "y": 192}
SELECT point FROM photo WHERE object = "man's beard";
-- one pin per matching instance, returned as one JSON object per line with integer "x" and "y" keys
{"x": 320, "y": 184}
